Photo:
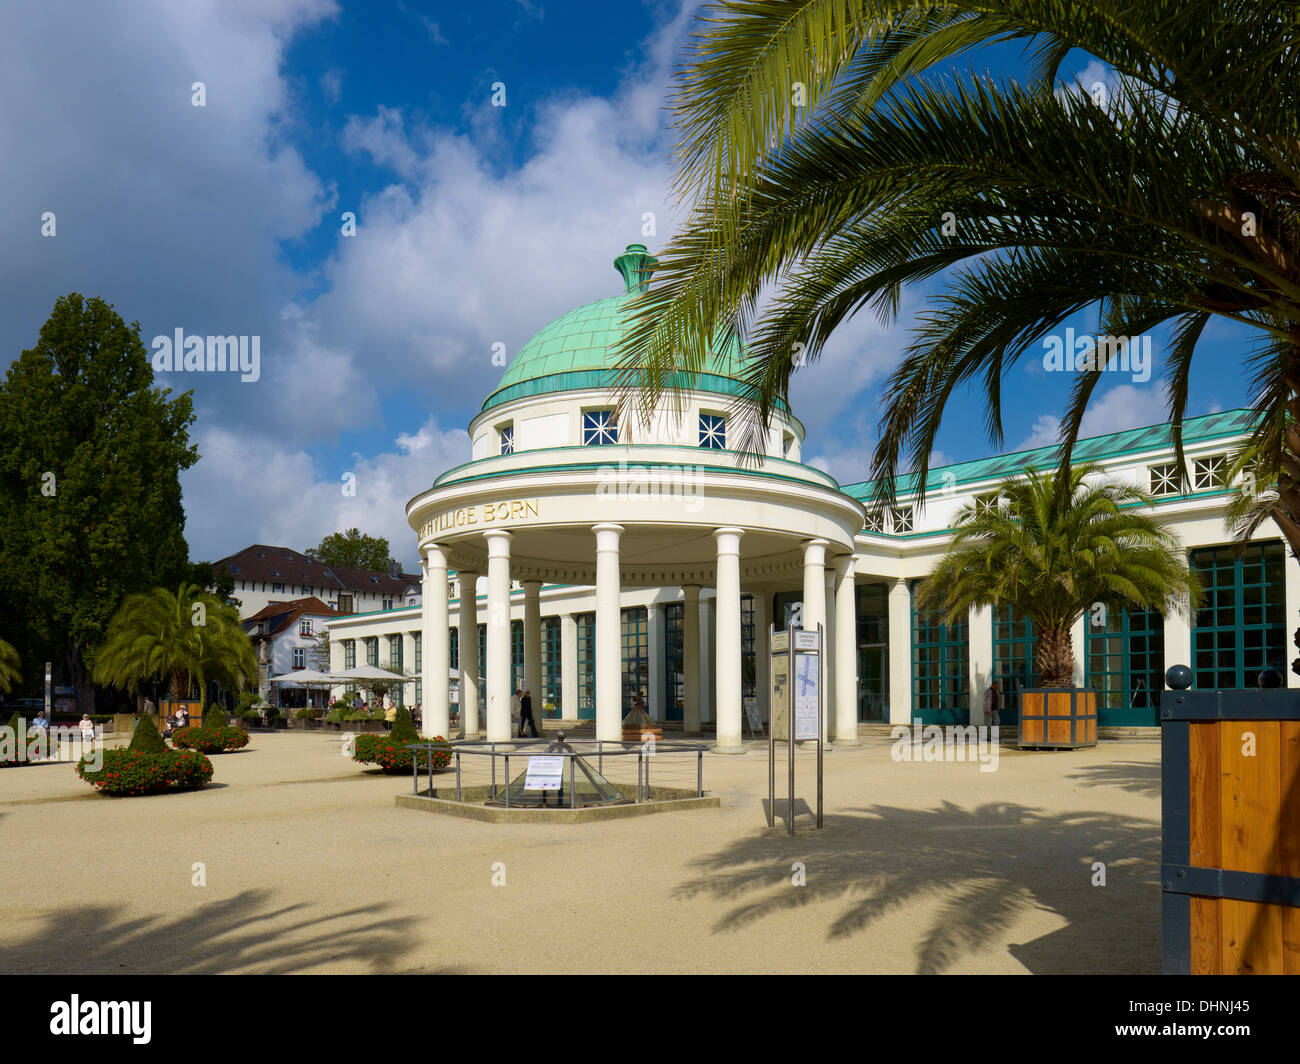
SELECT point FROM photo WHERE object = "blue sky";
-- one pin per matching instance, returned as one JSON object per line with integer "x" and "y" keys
{"x": 476, "y": 225}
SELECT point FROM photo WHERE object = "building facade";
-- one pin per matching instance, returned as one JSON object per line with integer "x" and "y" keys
{"x": 271, "y": 576}
{"x": 608, "y": 557}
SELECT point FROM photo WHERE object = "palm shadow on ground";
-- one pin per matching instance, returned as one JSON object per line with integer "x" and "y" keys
{"x": 244, "y": 933}
{"x": 1137, "y": 777}
{"x": 983, "y": 868}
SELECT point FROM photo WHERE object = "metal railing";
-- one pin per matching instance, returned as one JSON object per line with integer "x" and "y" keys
{"x": 597, "y": 749}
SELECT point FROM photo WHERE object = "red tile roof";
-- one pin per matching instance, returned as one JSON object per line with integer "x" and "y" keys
{"x": 282, "y": 565}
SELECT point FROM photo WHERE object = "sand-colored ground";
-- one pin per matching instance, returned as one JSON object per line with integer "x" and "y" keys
{"x": 922, "y": 867}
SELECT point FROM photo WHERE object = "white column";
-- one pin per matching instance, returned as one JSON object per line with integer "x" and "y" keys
{"x": 655, "y": 698}
{"x": 846, "y": 654}
{"x": 435, "y": 652}
{"x": 411, "y": 692}
{"x": 729, "y": 738}
{"x": 900, "y": 653}
{"x": 609, "y": 639}
{"x": 467, "y": 651}
{"x": 568, "y": 667}
{"x": 762, "y": 651}
{"x": 691, "y": 660}
{"x": 497, "y": 670}
{"x": 533, "y": 645}
{"x": 1178, "y": 641}
{"x": 830, "y": 677}
{"x": 1079, "y": 645}
{"x": 980, "y": 627}
{"x": 814, "y": 583}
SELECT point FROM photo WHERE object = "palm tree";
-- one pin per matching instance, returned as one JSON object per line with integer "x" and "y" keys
{"x": 826, "y": 161}
{"x": 10, "y": 667}
{"x": 183, "y": 636}
{"x": 1054, "y": 554}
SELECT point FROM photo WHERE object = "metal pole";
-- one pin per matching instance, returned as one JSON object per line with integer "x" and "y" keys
{"x": 415, "y": 773}
{"x": 494, "y": 776}
{"x": 648, "y": 795}
{"x": 639, "y": 759}
{"x": 458, "y": 775}
{"x": 821, "y": 715}
{"x": 494, "y": 770}
{"x": 600, "y": 757}
{"x": 771, "y": 732}
{"x": 431, "y": 772}
{"x": 573, "y": 791}
{"x": 699, "y": 779}
{"x": 789, "y": 728}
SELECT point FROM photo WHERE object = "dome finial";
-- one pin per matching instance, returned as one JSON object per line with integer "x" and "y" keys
{"x": 636, "y": 265}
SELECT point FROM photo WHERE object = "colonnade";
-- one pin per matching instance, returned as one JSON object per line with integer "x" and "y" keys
{"x": 823, "y": 580}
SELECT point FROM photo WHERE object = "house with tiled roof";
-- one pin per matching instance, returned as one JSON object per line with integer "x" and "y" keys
{"x": 266, "y": 575}
{"x": 285, "y": 637}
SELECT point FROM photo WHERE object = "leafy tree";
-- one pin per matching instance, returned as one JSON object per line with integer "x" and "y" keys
{"x": 185, "y": 636}
{"x": 146, "y": 737}
{"x": 10, "y": 665}
{"x": 1054, "y": 555}
{"x": 825, "y": 159}
{"x": 353, "y": 549}
{"x": 219, "y": 580}
{"x": 90, "y": 497}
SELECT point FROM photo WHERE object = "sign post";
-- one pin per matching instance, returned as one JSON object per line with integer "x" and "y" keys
{"x": 797, "y": 710}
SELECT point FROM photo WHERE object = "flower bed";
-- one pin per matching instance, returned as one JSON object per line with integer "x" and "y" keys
{"x": 395, "y": 756}
{"x": 211, "y": 738}
{"x": 127, "y": 772}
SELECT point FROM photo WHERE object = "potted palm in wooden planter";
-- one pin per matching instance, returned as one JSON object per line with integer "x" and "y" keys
{"x": 1054, "y": 552}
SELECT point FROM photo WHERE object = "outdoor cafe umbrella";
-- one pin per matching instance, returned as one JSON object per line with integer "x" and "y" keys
{"x": 305, "y": 678}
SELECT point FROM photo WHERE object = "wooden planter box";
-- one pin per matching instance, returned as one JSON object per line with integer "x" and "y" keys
{"x": 1060, "y": 718}
{"x": 1230, "y": 861}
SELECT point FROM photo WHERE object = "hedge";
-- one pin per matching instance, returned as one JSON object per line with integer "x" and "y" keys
{"x": 211, "y": 738}
{"x": 127, "y": 772}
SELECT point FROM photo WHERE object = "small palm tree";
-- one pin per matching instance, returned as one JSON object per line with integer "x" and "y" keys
{"x": 10, "y": 665}
{"x": 183, "y": 636}
{"x": 1054, "y": 555}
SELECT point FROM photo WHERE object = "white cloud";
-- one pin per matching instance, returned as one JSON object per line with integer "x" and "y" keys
{"x": 1126, "y": 406}
{"x": 253, "y": 488}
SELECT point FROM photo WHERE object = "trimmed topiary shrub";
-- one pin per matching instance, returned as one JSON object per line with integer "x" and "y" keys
{"x": 211, "y": 738}
{"x": 216, "y": 716}
{"x": 10, "y": 758}
{"x": 128, "y": 772}
{"x": 364, "y": 746}
{"x": 145, "y": 738}
{"x": 404, "y": 727}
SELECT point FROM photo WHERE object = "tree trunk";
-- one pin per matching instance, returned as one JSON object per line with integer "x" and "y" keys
{"x": 1054, "y": 657}
{"x": 82, "y": 686}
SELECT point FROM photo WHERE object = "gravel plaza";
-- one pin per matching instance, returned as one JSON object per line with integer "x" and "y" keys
{"x": 922, "y": 867}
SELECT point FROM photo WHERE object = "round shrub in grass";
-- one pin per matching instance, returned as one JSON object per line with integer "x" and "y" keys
{"x": 129, "y": 772}
{"x": 211, "y": 738}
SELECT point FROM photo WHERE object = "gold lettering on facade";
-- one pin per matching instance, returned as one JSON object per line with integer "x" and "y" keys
{"x": 492, "y": 513}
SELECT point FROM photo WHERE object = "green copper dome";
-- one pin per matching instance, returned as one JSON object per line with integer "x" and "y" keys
{"x": 579, "y": 350}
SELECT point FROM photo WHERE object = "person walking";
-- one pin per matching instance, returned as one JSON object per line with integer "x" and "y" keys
{"x": 993, "y": 704}
{"x": 515, "y": 703}
{"x": 526, "y": 714}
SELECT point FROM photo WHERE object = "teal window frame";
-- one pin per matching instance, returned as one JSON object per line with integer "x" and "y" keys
{"x": 417, "y": 638}
{"x": 552, "y": 663}
{"x": 1240, "y": 629}
{"x": 748, "y": 653}
{"x": 634, "y": 641}
{"x": 372, "y": 650}
{"x": 1013, "y": 659}
{"x": 349, "y": 653}
{"x": 940, "y": 667}
{"x": 586, "y": 666}
{"x": 395, "y": 652}
{"x": 1125, "y": 664}
{"x": 453, "y": 648}
{"x": 674, "y": 706}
